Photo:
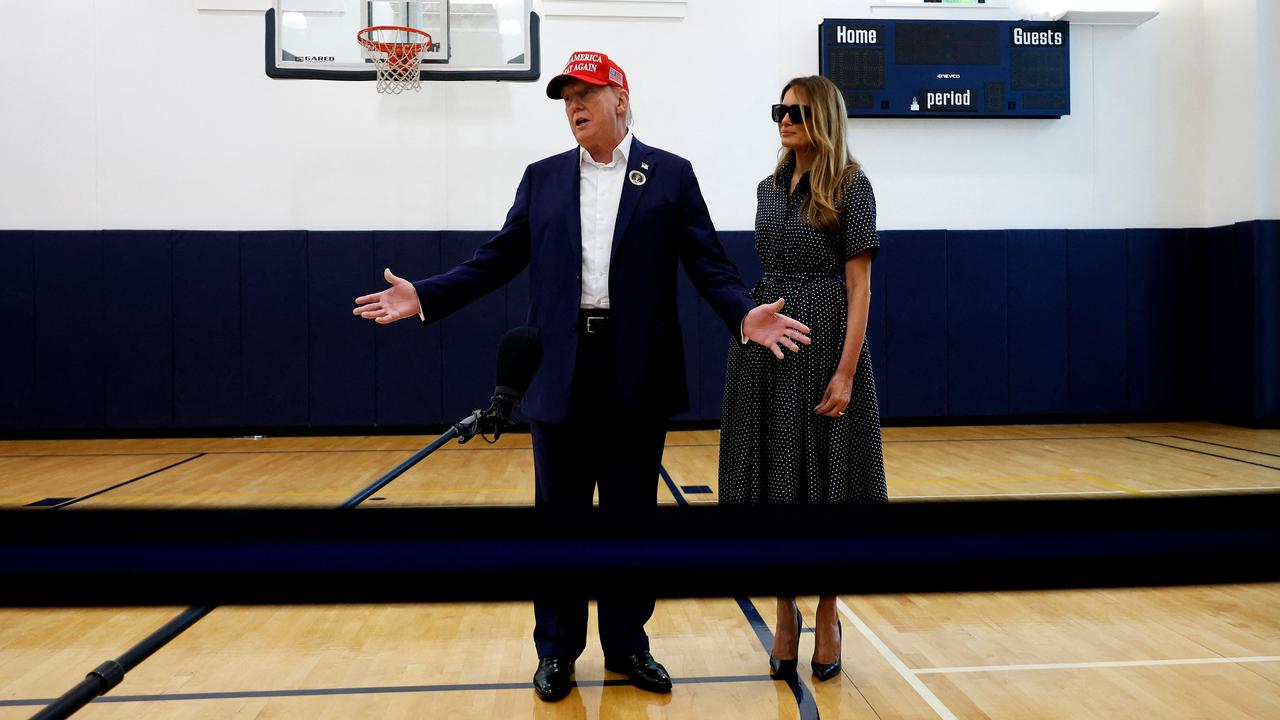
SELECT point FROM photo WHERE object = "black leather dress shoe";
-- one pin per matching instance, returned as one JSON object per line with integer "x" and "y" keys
{"x": 644, "y": 671}
{"x": 551, "y": 681}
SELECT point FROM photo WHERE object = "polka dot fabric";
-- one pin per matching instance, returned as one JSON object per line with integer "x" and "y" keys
{"x": 773, "y": 447}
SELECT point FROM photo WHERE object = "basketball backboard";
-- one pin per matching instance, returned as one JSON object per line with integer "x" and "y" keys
{"x": 489, "y": 40}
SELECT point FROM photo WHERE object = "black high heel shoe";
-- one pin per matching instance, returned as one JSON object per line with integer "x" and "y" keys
{"x": 824, "y": 671}
{"x": 787, "y": 668}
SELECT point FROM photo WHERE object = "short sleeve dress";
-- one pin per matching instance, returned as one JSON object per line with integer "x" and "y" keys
{"x": 774, "y": 449}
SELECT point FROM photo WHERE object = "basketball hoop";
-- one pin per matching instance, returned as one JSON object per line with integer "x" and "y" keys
{"x": 396, "y": 53}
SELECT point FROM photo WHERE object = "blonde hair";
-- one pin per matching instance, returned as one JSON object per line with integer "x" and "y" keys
{"x": 833, "y": 164}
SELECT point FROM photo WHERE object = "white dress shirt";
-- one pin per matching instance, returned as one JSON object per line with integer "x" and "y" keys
{"x": 599, "y": 194}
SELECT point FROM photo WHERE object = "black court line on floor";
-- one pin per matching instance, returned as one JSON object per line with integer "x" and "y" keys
{"x": 375, "y": 690}
{"x": 805, "y": 704}
{"x": 126, "y": 482}
{"x": 48, "y": 502}
{"x": 530, "y": 449}
{"x": 1201, "y": 452}
{"x": 1023, "y": 439}
{"x": 258, "y": 452}
{"x": 1230, "y": 447}
{"x": 671, "y": 485}
{"x": 94, "y": 454}
{"x": 964, "y": 440}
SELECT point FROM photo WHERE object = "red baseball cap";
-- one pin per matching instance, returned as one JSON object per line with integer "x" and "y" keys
{"x": 591, "y": 67}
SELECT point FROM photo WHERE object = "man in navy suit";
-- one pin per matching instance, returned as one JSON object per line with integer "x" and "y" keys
{"x": 601, "y": 228}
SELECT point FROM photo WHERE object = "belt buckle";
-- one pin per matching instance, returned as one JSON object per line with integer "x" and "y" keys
{"x": 601, "y": 318}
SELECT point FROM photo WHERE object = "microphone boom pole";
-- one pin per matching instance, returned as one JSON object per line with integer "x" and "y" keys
{"x": 464, "y": 429}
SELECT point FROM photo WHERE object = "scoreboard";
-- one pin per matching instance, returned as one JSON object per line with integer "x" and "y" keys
{"x": 948, "y": 68}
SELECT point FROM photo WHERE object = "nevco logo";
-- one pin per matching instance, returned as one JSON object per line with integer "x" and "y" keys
{"x": 1036, "y": 37}
{"x": 948, "y": 76}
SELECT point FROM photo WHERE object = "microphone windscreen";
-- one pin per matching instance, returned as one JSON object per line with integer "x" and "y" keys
{"x": 519, "y": 356}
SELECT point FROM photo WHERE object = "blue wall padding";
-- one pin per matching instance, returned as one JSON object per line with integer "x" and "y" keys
{"x": 977, "y": 323}
{"x": 17, "y": 328}
{"x": 469, "y": 337}
{"x": 710, "y": 354}
{"x": 1267, "y": 264}
{"x": 341, "y": 345}
{"x": 137, "y": 327}
{"x": 1197, "y": 322}
{"x": 274, "y": 327}
{"x": 876, "y": 327}
{"x": 1229, "y": 328}
{"x": 1037, "y": 292}
{"x": 1157, "y": 334}
{"x": 740, "y": 247}
{"x": 69, "y": 337}
{"x": 407, "y": 353}
{"x": 1096, "y": 320}
{"x": 712, "y": 343}
{"x": 915, "y": 296}
{"x": 178, "y": 329}
{"x": 206, "y": 329}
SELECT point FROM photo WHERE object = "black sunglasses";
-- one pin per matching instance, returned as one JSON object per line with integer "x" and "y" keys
{"x": 797, "y": 113}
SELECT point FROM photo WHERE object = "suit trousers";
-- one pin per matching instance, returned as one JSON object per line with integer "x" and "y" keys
{"x": 596, "y": 447}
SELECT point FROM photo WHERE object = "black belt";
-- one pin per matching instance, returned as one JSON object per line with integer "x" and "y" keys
{"x": 593, "y": 321}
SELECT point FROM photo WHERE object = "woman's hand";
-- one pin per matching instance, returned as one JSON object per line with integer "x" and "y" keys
{"x": 836, "y": 398}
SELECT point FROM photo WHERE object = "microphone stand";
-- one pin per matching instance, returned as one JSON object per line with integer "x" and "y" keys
{"x": 111, "y": 673}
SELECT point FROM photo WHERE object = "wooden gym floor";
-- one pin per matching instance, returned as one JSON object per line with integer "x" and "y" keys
{"x": 1200, "y": 652}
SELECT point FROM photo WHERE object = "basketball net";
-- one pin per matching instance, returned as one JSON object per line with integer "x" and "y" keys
{"x": 396, "y": 53}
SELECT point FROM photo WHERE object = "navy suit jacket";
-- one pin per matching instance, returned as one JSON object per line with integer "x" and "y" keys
{"x": 660, "y": 223}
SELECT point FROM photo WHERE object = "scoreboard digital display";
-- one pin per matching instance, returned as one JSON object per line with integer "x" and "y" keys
{"x": 948, "y": 68}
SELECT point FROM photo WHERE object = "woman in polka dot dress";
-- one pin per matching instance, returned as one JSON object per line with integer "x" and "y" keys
{"x": 807, "y": 430}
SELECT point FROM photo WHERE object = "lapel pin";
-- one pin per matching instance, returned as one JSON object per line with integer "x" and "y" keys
{"x": 644, "y": 166}
{"x": 636, "y": 177}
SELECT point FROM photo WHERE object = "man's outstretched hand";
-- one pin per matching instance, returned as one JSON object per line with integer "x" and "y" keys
{"x": 766, "y": 326}
{"x": 395, "y": 303}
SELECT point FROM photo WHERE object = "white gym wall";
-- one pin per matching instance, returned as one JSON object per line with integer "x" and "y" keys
{"x": 151, "y": 114}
